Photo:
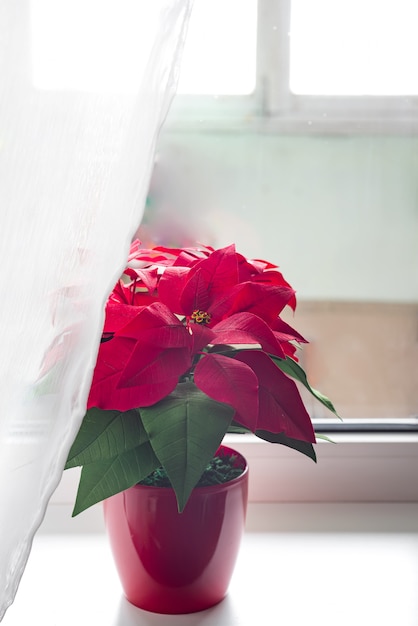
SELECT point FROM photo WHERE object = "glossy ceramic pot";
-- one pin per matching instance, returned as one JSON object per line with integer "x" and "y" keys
{"x": 177, "y": 563}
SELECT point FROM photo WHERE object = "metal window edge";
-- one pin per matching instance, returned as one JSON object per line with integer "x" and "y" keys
{"x": 358, "y": 470}
{"x": 306, "y": 124}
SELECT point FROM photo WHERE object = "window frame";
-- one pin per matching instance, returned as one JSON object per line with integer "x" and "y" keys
{"x": 356, "y": 468}
{"x": 274, "y": 108}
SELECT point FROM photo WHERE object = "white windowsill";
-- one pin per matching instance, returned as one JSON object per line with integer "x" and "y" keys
{"x": 348, "y": 524}
{"x": 313, "y": 563}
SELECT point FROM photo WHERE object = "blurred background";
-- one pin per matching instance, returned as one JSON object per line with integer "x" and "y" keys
{"x": 294, "y": 135}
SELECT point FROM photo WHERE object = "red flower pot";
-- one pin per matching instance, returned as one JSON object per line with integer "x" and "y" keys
{"x": 177, "y": 563}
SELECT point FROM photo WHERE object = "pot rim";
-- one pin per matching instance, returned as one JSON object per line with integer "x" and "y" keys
{"x": 206, "y": 488}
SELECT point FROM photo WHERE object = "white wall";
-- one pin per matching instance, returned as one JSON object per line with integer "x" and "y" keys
{"x": 338, "y": 214}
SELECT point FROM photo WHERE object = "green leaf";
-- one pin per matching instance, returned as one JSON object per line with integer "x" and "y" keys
{"x": 105, "y": 434}
{"x": 237, "y": 429}
{"x": 290, "y": 367}
{"x": 185, "y": 430}
{"x": 324, "y": 437}
{"x": 304, "y": 447}
{"x": 103, "y": 479}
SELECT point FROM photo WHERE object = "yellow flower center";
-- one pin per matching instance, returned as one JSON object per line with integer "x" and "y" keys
{"x": 200, "y": 317}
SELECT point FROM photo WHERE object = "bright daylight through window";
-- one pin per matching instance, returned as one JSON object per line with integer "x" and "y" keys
{"x": 353, "y": 47}
{"x": 219, "y": 56}
{"x": 220, "y": 51}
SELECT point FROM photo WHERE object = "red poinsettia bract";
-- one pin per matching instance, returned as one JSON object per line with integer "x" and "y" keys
{"x": 207, "y": 316}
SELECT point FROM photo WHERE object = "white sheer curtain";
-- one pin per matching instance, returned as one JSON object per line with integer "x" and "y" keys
{"x": 84, "y": 88}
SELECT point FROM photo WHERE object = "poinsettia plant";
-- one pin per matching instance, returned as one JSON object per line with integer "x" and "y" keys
{"x": 193, "y": 347}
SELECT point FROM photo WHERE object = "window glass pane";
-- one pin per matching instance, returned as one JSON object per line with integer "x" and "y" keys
{"x": 220, "y": 52}
{"x": 354, "y": 47}
{"x": 219, "y": 56}
{"x": 64, "y": 57}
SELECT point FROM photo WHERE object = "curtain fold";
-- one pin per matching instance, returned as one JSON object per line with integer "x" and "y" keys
{"x": 85, "y": 86}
